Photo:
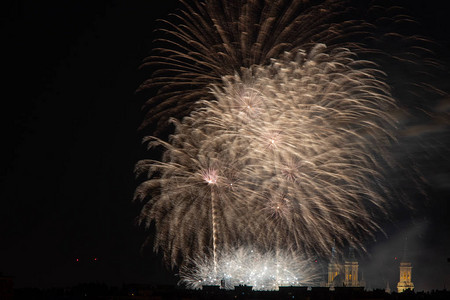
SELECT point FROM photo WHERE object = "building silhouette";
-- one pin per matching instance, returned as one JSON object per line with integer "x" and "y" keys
{"x": 343, "y": 273}
{"x": 351, "y": 266}
{"x": 387, "y": 290}
{"x": 405, "y": 281}
{"x": 334, "y": 270}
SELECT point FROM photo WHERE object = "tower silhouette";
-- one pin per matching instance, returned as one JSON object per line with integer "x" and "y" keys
{"x": 333, "y": 269}
{"x": 343, "y": 273}
{"x": 405, "y": 281}
{"x": 351, "y": 266}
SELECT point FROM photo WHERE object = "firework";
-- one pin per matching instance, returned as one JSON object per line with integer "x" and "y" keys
{"x": 314, "y": 109}
{"x": 207, "y": 40}
{"x": 262, "y": 271}
{"x": 284, "y": 144}
{"x": 194, "y": 168}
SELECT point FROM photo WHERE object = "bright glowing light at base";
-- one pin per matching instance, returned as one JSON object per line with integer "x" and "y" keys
{"x": 262, "y": 271}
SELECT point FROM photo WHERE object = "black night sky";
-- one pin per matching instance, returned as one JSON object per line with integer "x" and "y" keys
{"x": 69, "y": 143}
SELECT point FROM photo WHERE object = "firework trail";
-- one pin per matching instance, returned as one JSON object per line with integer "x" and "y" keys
{"x": 284, "y": 143}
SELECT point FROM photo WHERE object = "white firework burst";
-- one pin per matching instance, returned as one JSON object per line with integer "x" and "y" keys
{"x": 323, "y": 109}
{"x": 242, "y": 266}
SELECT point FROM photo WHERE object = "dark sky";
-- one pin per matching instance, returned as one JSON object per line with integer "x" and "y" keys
{"x": 69, "y": 137}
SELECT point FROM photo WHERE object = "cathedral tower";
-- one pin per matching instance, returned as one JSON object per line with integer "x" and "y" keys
{"x": 405, "y": 282}
{"x": 351, "y": 270}
{"x": 388, "y": 288}
{"x": 343, "y": 274}
{"x": 333, "y": 269}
